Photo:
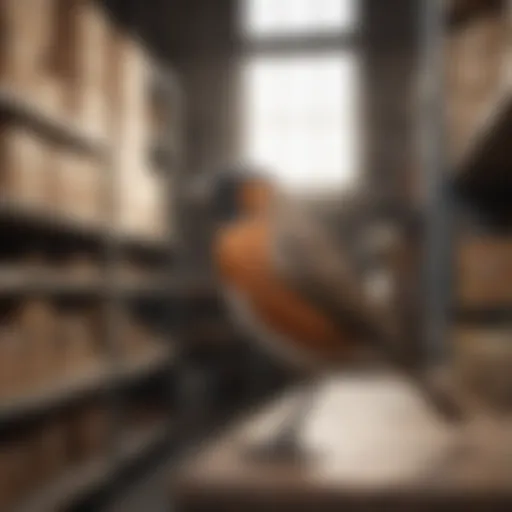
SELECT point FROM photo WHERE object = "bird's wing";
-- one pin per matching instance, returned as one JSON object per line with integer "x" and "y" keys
{"x": 305, "y": 255}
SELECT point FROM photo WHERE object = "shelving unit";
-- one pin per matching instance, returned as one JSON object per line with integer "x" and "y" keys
{"x": 478, "y": 99}
{"x": 117, "y": 296}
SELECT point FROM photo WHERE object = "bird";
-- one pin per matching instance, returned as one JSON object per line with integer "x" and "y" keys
{"x": 294, "y": 291}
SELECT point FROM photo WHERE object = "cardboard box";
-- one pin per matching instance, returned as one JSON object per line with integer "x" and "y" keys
{"x": 37, "y": 320}
{"x": 76, "y": 342}
{"x": 484, "y": 272}
{"x": 23, "y": 172}
{"x": 477, "y": 59}
{"x": 483, "y": 357}
{"x": 142, "y": 205}
{"x": 88, "y": 64}
{"x": 28, "y": 40}
{"x": 20, "y": 45}
{"x": 80, "y": 187}
{"x": 133, "y": 93}
{"x": 12, "y": 358}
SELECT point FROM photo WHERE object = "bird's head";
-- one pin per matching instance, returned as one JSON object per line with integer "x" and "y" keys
{"x": 232, "y": 193}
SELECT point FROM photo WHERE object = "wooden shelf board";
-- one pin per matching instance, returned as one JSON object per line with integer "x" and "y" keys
{"x": 62, "y": 130}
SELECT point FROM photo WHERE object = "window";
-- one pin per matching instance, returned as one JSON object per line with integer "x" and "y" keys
{"x": 292, "y": 17}
{"x": 300, "y": 108}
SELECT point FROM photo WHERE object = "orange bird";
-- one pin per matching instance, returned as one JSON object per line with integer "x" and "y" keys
{"x": 290, "y": 287}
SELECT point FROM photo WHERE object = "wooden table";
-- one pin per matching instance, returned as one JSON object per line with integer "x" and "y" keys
{"x": 373, "y": 444}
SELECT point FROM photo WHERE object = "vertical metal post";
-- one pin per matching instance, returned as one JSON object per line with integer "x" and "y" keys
{"x": 436, "y": 182}
{"x": 171, "y": 158}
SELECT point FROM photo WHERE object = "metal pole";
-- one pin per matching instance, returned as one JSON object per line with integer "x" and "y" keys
{"x": 436, "y": 182}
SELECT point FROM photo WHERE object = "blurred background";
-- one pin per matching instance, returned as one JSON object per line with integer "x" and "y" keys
{"x": 117, "y": 354}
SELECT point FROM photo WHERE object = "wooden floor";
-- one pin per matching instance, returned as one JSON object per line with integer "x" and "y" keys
{"x": 372, "y": 439}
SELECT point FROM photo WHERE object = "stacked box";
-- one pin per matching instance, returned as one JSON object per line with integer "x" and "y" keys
{"x": 483, "y": 272}
{"x": 477, "y": 60}
{"x": 88, "y": 61}
{"x": 23, "y": 176}
{"x": 37, "y": 320}
{"x": 141, "y": 190}
{"x": 78, "y": 337}
{"x": 80, "y": 184}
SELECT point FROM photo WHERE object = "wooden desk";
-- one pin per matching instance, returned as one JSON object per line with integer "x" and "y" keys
{"x": 374, "y": 444}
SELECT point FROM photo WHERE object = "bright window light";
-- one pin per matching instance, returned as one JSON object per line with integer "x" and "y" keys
{"x": 286, "y": 17}
{"x": 301, "y": 119}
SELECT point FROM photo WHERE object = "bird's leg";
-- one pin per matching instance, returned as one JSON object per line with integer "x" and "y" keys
{"x": 286, "y": 442}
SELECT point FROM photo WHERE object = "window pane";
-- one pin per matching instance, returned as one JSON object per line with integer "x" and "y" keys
{"x": 286, "y": 17}
{"x": 301, "y": 118}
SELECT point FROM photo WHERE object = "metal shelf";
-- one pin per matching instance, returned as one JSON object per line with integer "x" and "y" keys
{"x": 93, "y": 475}
{"x": 20, "y": 283}
{"x": 141, "y": 243}
{"x": 115, "y": 246}
{"x": 72, "y": 485}
{"x": 70, "y": 390}
{"x": 57, "y": 394}
{"x": 483, "y": 314}
{"x": 61, "y": 130}
{"x": 138, "y": 443}
{"x": 44, "y": 219}
{"x": 141, "y": 367}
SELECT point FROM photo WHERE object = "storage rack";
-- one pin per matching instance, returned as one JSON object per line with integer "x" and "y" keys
{"x": 467, "y": 176}
{"x": 111, "y": 378}
{"x": 480, "y": 170}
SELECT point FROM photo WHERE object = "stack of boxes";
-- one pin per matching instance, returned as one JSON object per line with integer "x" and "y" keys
{"x": 483, "y": 341}
{"x": 479, "y": 86}
{"x": 141, "y": 193}
{"x": 478, "y": 64}
{"x": 70, "y": 67}
{"x": 45, "y": 345}
{"x": 67, "y": 59}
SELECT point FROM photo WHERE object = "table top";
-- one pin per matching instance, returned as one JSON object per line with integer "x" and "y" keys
{"x": 368, "y": 437}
